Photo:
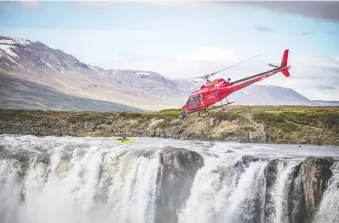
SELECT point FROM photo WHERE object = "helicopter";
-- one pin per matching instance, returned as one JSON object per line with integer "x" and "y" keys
{"x": 217, "y": 90}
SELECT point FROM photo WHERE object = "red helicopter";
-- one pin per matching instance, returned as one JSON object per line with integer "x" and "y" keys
{"x": 215, "y": 91}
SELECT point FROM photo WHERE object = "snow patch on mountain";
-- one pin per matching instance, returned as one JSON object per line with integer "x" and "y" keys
{"x": 27, "y": 55}
{"x": 142, "y": 74}
{"x": 7, "y": 50}
{"x": 21, "y": 41}
{"x": 6, "y": 41}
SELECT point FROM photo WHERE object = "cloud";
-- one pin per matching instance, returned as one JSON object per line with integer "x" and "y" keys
{"x": 263, "y": 29}
{"x": 158, "y": 3}
{"x": 326, "y": 10}
{"x": 313, "y": 77}
{"x": 216, "y": 54}
{"x": 305, "y": 33}
{"x": 27, "y": 3}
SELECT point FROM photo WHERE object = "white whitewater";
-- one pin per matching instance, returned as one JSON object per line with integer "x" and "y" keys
{"x": 88, "y": 180}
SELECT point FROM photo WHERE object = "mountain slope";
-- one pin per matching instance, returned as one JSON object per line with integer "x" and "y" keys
{"x": 19, "y": 94}
{"x": 36, "y": 62}
{"x": 27, "y": 55}
{"x": 61, "y": 72}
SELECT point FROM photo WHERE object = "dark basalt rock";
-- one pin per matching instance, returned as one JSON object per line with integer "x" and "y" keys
{"x": 315, "y": 174}
{"x": 270, "y": 172}
{"x": 175, "y": 178}
{"x": 249, "y": 159}
{"x": 308, "y": 183}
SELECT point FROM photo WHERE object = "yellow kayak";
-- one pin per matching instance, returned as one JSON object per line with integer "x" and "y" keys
{"x": 124, "y": 141}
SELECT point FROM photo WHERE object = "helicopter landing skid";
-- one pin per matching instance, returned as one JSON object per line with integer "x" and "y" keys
{"x": 220, "y": 106}
{"x": 183, "y": 115}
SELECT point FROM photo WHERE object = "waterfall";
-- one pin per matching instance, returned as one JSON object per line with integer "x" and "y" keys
{"x": 87, "y": 180}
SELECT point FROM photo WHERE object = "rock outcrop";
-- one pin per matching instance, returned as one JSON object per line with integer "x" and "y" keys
{"x": 176, "y": 175}
{"x": 308, "y": 183}
{"x": 270, "y": 172}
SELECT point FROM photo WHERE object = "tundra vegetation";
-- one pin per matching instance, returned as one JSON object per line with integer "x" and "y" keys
{"x": 262, "y": 124}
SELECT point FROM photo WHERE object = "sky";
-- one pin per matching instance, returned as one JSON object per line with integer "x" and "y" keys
{"x": 188, "y": 39}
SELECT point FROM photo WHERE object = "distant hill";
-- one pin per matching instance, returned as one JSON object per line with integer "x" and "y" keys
{"x": 22, "y": 94}
{"x": 269, "y": 95}
{"x": 62, "y": 73}
{"x": 325, "y": 103}
{"x": 36, "y": 62}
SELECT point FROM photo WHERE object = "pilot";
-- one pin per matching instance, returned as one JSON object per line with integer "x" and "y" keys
{"x": 229, "y": 80}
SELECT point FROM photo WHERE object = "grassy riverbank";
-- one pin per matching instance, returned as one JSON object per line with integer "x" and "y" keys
{"x": 271, "y": 124}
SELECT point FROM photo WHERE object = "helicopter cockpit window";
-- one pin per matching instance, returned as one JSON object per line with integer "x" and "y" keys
{"x": 194, "y": 98}
{"x": 193, "y": 101}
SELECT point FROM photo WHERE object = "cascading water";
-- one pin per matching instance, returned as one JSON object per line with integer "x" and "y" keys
{"x": 88, "y": 180}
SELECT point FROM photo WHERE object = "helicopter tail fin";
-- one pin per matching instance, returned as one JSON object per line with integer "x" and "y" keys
{"x": 285, "y": 72}
{"x": 284, "y": 59}
{"x": 283, "y": 64}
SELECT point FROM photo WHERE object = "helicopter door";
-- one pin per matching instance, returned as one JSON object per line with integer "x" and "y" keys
{"x": 202, "y": 99}
{"x": 211, "y": 98}
{"x": 193, "y": 103}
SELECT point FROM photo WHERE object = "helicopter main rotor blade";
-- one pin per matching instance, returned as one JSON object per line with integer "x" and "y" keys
{"x": 194, "y": 86}
{"x": 208, "y": 75}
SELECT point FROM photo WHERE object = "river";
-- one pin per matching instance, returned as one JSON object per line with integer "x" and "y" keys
{"x": 88, "y": 180}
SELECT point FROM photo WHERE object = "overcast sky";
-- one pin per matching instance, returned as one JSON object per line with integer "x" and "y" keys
{"x": 186, "y": 39}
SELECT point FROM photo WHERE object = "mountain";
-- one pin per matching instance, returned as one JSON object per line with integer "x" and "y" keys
{"x": 22, "y": 94}
{"x": 38, "y": 63}
{"x": 274, "y": 95}
{"x": 325, "y": 103}
{"x": 64, "y": 74}
{"x": 269, "y": 95}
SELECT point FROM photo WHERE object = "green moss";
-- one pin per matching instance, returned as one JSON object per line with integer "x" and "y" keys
{"x": 230, "y": 116}
{"x": 318, "y": 119}
{"x": 167, "y": 112}
{"x": 274, "y": 121}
